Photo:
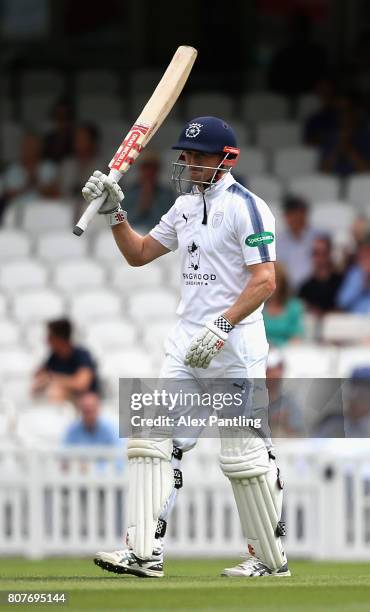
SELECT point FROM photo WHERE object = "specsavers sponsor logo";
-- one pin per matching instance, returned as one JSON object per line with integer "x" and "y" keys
{"x": 255, "y": 240}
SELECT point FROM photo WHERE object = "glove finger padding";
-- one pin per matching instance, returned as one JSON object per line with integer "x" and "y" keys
{"x": 205, "y": 346}
{"x": 114, "y": 190}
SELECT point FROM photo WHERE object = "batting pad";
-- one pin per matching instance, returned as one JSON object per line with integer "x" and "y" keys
{"x": 151, "y": 481}
{"x": 258, "y": 494}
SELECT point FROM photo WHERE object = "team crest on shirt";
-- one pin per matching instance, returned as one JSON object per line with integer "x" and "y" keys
{"x": 217, "y": 219}
{"x": 194, "y": 256}
{"x": 194, "y": 276}
{"x": 193, "y": 130}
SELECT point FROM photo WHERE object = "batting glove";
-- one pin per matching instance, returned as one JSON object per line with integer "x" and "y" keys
{"x": 100, "y": 183}
{"x": 208, "y": 343}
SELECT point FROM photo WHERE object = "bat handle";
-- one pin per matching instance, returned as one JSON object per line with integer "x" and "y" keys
{"x": 93, "y": 208}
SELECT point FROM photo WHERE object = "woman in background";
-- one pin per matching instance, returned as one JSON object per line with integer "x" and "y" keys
{"x": 283, "y": 313}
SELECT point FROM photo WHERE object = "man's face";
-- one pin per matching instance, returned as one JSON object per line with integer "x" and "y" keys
{"x": 197, "y": 158}
{"x": 89, "y": 407}
{"x": 296, "y": 219}
{"x": 54, "y": 342}
{"x": 320, "y": 253}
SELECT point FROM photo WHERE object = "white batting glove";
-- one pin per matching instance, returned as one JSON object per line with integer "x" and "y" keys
{"x": 208, "y": 343}
{"x": 100, "y": 183}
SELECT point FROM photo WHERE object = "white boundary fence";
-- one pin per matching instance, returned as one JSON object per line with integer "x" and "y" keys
{"x": 73, "y": 502}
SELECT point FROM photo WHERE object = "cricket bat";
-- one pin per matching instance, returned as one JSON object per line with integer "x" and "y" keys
{"x": 146, "y": 125}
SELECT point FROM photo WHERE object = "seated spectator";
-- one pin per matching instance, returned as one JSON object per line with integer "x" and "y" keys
{"x": 58, "y": 143}
{"x": 30, "y": 177}
{"x": 285, "y": 414}
{"x": 147, "y": 200}
{"x": 346, "y": 148}
{"x": 283, "y": 314}
{"x": 91, "y": 428}
{"x": 354, "y": 292}
{"x": 295, "y": 241}
{"x": 320, "y": 290}
{"x": 323, "y": 121}
{"x": 82, "y": 163}
{"x": 69, "y": 370}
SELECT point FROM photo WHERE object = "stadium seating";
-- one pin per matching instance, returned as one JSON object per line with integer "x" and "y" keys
{"x": 58, "y": 246}
{"x": 104, "y": 336}
{"x": 75, "y": 275}
{"x": 345, "y": 328}
{"x": 306, "y": 361}
{"x": 200, "y": 104}
{"x": 272, "y": 135}
{"x": 22, "y": 274}
{"x": 92, "y": 107}
{"x": 307, "y": 105}
{"x": 332, "y": 217}
{"x": 10, "y": 139}
{"x": 37, "y": 305}
{"x": 263, "y": 106}
{"x": 358, "y": 191}
{"x": 105, "y": 249}
{"x": 93, "y": 81}
{"x": 252, "y": 161}
{"x": 290, "y": 162}
{"x": 315, "y": 187}
{"x": 152, "y": 304}
{"x": 351, "y": 358}
{"x": 126, "y": 278}
{"x": 42, "y": 81}
{"x": 9, "y": 333}
{"x": 266, "y": 186}
{"x": 93, "y": 305}
{"x": 44, "y": 215}
{"x": 15, "y": 360}
{"x": 13, "y": 244}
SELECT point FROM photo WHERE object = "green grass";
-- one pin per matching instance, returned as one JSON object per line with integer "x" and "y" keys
{"x": 191, "y": 585}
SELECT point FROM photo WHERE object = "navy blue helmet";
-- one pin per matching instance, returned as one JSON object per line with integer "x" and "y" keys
{"x": 209, "y": 135}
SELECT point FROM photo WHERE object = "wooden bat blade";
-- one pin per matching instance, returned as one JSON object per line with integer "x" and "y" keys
{"x": 152, "y": 116}
{"x": 156, "y": 109}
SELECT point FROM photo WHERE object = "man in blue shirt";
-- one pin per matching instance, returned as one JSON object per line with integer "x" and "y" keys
{"x": 91, "y": 429}
{"x": 354, "y": 293}
{"x": 69, "y": 370}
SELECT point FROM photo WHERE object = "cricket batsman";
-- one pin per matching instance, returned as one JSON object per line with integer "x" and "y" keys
{"x": 226, "y": 238}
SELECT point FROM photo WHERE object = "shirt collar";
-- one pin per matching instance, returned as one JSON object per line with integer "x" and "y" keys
{"x": 221, "y": 185}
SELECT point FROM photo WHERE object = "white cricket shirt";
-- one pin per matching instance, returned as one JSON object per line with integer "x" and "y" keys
{"x": 240, "y": 231}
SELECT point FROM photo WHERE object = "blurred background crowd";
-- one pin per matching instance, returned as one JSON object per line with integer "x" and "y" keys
{"x": 296, "y": 91}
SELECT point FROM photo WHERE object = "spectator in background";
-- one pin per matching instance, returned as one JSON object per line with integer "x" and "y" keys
{"x": 69, "y": 371}
{"x": 354, "y": 292}
{"x": 299, "y": 62}
{"x": 30, "y": 177}
{"x": 346, "y": 148}
{"x": 82, "y": 163}
{"x": 322, "y": 121}
{"x": 147, "y": 200}
{"x": 91, "y": 429}
{"x": 283, "y": 314}
{"x": 58, "y": 143}
{"x": 320, "y": 290}
{"x": 295, "y": 242}
{"x": 357, "y": 410}
{"x": 285, "y": 414}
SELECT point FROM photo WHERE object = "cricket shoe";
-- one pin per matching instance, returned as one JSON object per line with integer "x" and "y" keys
{"x": 254, "y": 567}
{"x": 126, "y": 562}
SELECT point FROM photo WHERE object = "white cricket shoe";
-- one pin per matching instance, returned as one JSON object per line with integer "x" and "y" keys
{"x": 126, "y": 562}
{"x": 254, "y": 567}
